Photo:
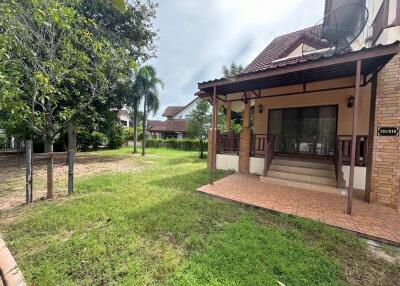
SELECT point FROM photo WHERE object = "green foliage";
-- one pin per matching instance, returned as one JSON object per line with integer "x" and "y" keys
{"x": 232, "y": 70}
{"x": 199, "y": 120}
{"x": 98, "y": 139}
{"x": 115, "y": 137}
{"x": 131, "y": 27}
{"x": 178, "y": 144}
{"x": 89, "y": 140}
{"x": 62, "y": 66}
{"x": 127, "y": 134}
{"x": 151, "y": 227}
{"x": 3, "y": 141}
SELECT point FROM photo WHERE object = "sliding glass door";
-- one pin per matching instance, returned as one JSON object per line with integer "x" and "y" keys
{"x": 307, "y": 131}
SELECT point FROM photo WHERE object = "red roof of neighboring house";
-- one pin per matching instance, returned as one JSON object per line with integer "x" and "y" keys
{"x": 152, "y": 123}
{"x": 171, "y": 125}
{"x": 172, "y": 110}
{"x": 281, "y": 46}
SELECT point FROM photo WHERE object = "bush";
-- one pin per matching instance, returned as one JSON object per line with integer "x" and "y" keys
{"x": 97, "y": 139}
{"x": 184, "y": 144}
{"x": 3, "y": 142}
{"x": 127, "y": 134}
{"x": 89, "y": 140}
{"x": 115, "y": 137}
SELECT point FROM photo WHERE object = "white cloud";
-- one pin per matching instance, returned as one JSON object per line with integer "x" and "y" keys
{"x": 198, "y": 37}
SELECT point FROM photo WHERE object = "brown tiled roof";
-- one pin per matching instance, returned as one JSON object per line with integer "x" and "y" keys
{"x": 152, "y": 123}
{"x": 172, "y": 110}
{"x": 281, "y": 46}
{"x": 171, "y": 125}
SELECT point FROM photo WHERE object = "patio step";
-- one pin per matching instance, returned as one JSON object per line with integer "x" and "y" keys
{"x": 314, "y": 164}
{"x": 299, "y": 177}
{"x": 303, "y": 170}
{"x": 310, "y": 174}
{"x": 304, "y": 185}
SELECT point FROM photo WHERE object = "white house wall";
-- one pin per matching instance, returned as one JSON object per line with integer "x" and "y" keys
{"x": 227, "y": 162}
{"x": 185, "y": 113}
{"x": 360, "y": 174}
{"x": 256, "y": 166}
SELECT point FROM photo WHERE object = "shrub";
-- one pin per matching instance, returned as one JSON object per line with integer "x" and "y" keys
{"x": 115, "y": 137}
{"x": 97, "y": 139}
{"x": 179, "y": 144}
{"x": 90, "y": 140}
{"x": 127, "y": 134}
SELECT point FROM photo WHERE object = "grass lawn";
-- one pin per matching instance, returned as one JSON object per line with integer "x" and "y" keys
{"x": 150, "y": 227}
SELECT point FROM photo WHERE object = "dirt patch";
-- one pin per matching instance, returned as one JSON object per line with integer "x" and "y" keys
{"x": 12, "y": 175}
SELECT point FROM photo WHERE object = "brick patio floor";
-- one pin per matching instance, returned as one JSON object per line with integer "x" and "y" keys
{"x": 368, "y": 220}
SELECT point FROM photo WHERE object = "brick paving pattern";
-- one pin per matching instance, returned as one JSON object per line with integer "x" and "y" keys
{"x": 370, "y": 220}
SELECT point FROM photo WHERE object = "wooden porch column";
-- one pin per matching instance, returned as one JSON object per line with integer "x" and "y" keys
{"x": 354, "y": 139}
{"x": 245, "y": 133}
{"x": 213, "y": 132}
{"x": 228, "y": 116}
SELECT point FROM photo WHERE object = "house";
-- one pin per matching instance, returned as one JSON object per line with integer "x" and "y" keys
{"x": 124, "y": 119}
{"x": 326, "y": 120}
{"x": 176, "y": 124}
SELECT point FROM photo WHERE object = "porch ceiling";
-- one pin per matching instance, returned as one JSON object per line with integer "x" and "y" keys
{"x": 338, "y": 66}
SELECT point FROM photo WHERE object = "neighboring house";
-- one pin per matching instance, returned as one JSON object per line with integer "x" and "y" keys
{"x": 149, "y": 125}
{"x": 124, "y": 118}
{"x": 301, "y": 114}
{"x": 176, "y": 124}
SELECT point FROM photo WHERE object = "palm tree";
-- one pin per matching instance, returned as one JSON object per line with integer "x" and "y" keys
{"x": 147, "y": 86}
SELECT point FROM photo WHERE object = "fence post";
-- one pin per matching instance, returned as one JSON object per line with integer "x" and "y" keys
{"x": 28, "y": 166}
{"x": 71, "y": 156}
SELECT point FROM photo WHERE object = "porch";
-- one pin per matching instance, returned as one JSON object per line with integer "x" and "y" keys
{"x": 321, "y": 112}
{"x": 367, "y": 220}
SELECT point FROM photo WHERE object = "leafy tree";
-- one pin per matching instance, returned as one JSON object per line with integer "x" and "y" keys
{"x": 147, "y": 86}
{"x": 128, "y": 25}
{"x": 232, "y": 70}
{"x": 59, "y": 67}
{"x": 198, "y": 123}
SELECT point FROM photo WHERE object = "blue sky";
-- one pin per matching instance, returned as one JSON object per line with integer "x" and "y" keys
{"x": 198, "y": 37}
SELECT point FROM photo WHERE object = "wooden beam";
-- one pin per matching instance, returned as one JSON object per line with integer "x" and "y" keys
{"x": 228, "y": 116}
{"x": 354, "y": 139}
{"x": 214, "y": 135}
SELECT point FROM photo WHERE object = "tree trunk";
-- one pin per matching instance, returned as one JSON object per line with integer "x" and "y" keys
{"x": 28, "y": 165}
{"x": 201, "y": 149}
{"x": 135, "y": 111}
{"x": 144, "y": 125}
{"x": 48, "y": 145}
{"x": 71, "y": 156}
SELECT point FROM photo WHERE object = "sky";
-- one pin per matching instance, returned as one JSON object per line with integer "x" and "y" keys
{"x": 196, "y": 38}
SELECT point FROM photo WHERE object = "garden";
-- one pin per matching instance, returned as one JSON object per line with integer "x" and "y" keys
{"x": 147, "y": 225}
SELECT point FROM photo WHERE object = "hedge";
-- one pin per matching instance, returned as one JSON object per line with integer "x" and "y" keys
{"x": 179, "y": 144}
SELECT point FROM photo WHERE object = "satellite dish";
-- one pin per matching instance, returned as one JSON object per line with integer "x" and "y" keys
{"x": 336, "y": 31}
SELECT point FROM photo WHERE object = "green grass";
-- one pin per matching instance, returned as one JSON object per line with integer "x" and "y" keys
{"x": 152, "y": 228}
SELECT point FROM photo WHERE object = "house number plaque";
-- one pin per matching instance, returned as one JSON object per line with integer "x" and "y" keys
{"x": 388, "y": 131}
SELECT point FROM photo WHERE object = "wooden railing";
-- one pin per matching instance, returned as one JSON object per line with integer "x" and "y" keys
{"x": 381, "y": 20}
{"x": 257, "y": 145}
{"x": 269, "y": 153}
{"x": 228, "y": 143}
{"x": 343, "y": 154}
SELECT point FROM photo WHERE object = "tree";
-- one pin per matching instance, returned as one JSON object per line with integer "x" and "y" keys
{"x": 128, "y": 25}
{"x": 232, "y": 70}
{"x": 58, "y": 64}
{"x": 147, "y": 86}
{"x": 198, "y": 123}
